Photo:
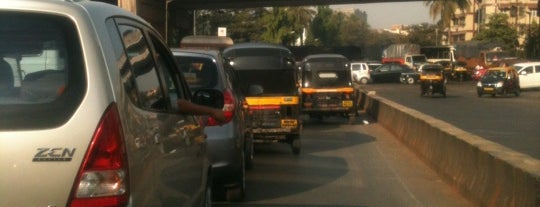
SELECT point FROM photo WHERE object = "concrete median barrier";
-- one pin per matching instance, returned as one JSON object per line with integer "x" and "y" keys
{"x": 488, "y": 173}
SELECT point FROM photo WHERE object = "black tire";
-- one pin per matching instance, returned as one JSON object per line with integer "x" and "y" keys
{"x": 351, "y": 119}
{"x": 364, "y": 80}
{"x": 296, "y": 144}
{"x": 237, "y": 191}
{"x": 208, "y": 192}
{"x": 410, "y": 80}
{"x": 517, "y": 92}
{"x": 249, "y": 151}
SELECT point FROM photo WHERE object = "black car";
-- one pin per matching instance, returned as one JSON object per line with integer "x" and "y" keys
{"x": 499, "y": 81}
{"x": 390, "y": 72}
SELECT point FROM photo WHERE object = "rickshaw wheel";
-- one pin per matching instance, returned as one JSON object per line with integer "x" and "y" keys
{"x": 296, "y": 144}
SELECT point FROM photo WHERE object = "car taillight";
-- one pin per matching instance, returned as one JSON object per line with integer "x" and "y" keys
{"x": 228, "y": 109}
{"x": 102, "y": 179}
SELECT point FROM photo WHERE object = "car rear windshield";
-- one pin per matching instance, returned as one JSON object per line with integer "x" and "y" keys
{"x": 199, "y": 72}
{"x": 41, "y": 70}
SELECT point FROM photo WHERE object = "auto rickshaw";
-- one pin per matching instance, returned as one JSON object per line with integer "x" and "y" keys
{"x": 432, "y": 80}
{"x": 327, "y": 88}
{"x": 267, "y": 76}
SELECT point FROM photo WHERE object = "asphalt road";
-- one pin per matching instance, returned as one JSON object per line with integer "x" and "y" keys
{"x": 344, "y": 165}
{"x": 510, "y": 121}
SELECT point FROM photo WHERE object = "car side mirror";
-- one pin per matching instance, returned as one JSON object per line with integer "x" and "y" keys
{"x": 209, "y": 97}
{"x": 255, "y": 90}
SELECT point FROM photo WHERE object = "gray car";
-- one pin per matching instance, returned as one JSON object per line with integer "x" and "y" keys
{"x": 88, "y": 112}
{"x": 231, "y": 151}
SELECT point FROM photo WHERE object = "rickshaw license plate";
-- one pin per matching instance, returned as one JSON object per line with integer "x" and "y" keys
{"x": 347, "y": 103}
{"x": 289, "y": 123}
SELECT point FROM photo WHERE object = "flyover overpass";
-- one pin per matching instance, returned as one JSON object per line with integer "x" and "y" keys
{"x": 179, "y": 13}
{"x": 216, "y": 4}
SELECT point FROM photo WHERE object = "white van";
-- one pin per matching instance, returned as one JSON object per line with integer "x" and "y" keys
{"x": 360, "y": 72}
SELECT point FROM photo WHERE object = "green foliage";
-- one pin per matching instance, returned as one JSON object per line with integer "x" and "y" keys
{"x": 324, "y": 30}
{"x": 424, "y": 34}
{"x": 498, "y": 30}
{"x": 532, "y": 43}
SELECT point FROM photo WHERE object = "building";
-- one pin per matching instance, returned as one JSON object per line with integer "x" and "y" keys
{"x": 467, "y": 24}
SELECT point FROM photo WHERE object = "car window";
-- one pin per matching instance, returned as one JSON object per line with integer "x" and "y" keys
{"x": 199, "y": 72}
{"x": 356, "y": 67}
{"x": 528, "y": 69}
{"x": 143, "y": 67}
{"x": 42, "y": 78}
{"x": 384, "y": 68}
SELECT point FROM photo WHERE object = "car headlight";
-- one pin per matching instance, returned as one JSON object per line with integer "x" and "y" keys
{"x": 499, "y": 84}
{"x": 479, "y": 84}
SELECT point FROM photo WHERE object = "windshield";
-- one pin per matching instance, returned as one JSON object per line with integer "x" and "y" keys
{"x": 495, "y": 74}
{"x": 199, "y": 72}
{"x": 419, "y": 59}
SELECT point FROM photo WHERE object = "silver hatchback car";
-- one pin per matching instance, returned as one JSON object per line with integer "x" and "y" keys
{"x": 229, "y": 144}
{"x": 88, "y": 113}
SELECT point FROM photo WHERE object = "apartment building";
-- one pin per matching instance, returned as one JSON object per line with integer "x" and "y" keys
{"x": 467, "y": 24}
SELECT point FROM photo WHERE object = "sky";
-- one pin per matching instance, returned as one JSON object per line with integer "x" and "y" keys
{"x": 384, "y": 15}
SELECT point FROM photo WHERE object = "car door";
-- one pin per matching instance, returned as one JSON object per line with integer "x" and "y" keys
{"x": 170, "y": 163}
{"x": 395, "y": 72}
{"x": 381, "y": 73}
{"x": 526, "y": 76}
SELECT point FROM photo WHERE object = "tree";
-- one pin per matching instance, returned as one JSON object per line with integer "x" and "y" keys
{"x": 301, "y": 18}
{"x": 277, "y": 27}
{"x": 445, "y": 9}
{"x": 423, "y": 34}
{"x": 497, "y": 31}
{"x": 283, "y": 25}
{"x": 355, "y": 29}
{"x": 243, "y": 25}
{"x": 532, "y": 43}
{"x": 325, "y": 27}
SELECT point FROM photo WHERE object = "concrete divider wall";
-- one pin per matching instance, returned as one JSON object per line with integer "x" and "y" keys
{"x": 488, "y": 173}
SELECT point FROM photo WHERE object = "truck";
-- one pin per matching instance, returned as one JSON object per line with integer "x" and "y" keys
{"x": 405, "y": 54}
{"x": 473, "y": 53}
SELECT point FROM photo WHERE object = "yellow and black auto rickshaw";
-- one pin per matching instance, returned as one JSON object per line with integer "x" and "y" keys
{"x": 327, "y": 88}
{"x": 266, "y": 75}
{"x": 432, "y": 80}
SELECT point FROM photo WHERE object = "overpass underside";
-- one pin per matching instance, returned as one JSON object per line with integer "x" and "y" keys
{"x": 180, "y": 12}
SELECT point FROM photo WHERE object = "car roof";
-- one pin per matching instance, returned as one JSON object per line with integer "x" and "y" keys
{"x": 527, "y": 63}
{"x": 94, "y": 7}
{"x": 211, "y": 52}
